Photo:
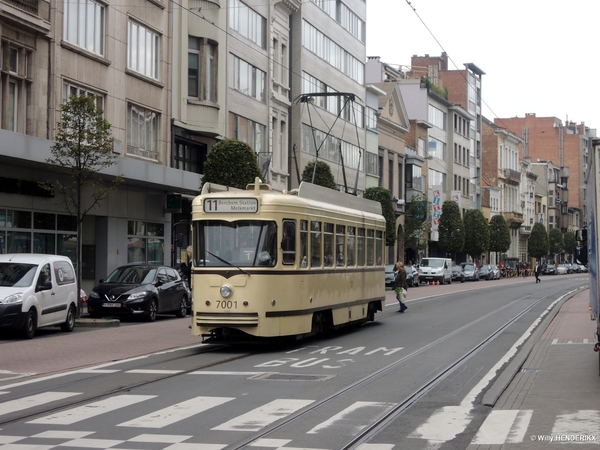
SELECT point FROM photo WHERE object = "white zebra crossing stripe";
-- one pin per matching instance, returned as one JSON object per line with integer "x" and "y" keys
{"x": 177, "y": 412}
{"x": 263, "y": 416}
{"x": 503, "y": 426}
{"x": 354, "y": 418}
{"x": 34, "y": 400}
{"x": 90, "y": 410}
{"x": 583, "y": 422}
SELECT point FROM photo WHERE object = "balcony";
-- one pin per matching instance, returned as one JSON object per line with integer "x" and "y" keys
{"x": 31, "y": 6}
{"x": 512, "y": 175}
{"x": 513, "y": 219}
{"x": 525, "y": 230}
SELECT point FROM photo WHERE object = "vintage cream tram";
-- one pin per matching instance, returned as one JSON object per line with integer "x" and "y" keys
{"x": 270, "y": 265}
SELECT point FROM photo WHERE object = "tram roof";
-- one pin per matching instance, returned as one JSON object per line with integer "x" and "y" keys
{"x": 307, "y": 191}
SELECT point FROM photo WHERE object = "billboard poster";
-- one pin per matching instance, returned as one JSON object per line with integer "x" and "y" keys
{"x": 456, "y": 197}
{"x": 436, "y": 207}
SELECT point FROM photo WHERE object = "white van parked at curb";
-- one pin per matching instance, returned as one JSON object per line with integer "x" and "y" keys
{"x": 37, "y": 291}
{"x": 436, "y": 269}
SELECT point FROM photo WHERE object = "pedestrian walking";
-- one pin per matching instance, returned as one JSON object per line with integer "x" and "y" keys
{"x": 401, "y": 285}
{"x": 537, "y": 270}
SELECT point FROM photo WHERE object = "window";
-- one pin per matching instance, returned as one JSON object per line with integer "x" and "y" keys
{"x": 351, "y": 246}
{"x": 328, "y": 246}
{"x": 13, "y": 95}
{"x": 315, "y": 244}
{"x": 329, "y": 147}
{"x": 246, "y": 130}
{"x": 437, "y": 117}
{"x": 143, "y": 50}
{"x": 371, "y": 163}
{"x": 202, "y": 67}
{"x": 84, "y": 25}
{"x": 371, "y": 118}
{"x": 303, "y": 243}
{"x": 247, "y": 79}
{"x": 142, "y": 132}
{"x": 361, "y": 247}
{"x": 70, "y": 90}
{"x": 288, "y": 241}
{"x": 340, "y": 244}
{"x": 437, "y": 148}
{"x": 13, "y": 60}
{"x": 189, "y": 156}
{"x": 145, "y": 242}
{"x": 248, "y": 23}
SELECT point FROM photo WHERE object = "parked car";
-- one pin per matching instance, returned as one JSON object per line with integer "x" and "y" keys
{"x": 562, "y": 269}
{"x": 549, "y": 269}
{"x": 412, "y": 276}
{"x": 471, "y": 271}
{"x": 145, "y": 290}
{"x": 583, "y": 269}
{"x": 37, "y": 291}
{"x": 390, "y": 276}
{"x": 486, "y": 272}
{"x": 458, "y": 274}
{"x": 495, "y": 271}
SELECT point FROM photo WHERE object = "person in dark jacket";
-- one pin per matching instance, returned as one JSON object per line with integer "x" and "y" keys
{"x": 537, "y": 271}
{"x": 401, "y": 284}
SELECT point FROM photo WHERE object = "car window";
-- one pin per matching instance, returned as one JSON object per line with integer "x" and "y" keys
{"x": 162, "y": 275}
{"x": 17, "y": 274}
{"x": 172, "y": 275}
{"x": 45, "y": 274}
{"x": 63, "y": 273}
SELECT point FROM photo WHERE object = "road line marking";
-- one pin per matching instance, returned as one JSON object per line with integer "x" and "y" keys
{"x": 177, "y": 412}
{"x": 33, "y": 401}
{"x": 354, "y": 418}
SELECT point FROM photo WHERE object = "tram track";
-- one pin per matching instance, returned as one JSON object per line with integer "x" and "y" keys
{"x": 381, "y": 422}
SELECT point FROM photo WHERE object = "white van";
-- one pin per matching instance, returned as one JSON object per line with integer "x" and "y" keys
{"x": 37, "y": 291}
{"x": 436, "y": 269}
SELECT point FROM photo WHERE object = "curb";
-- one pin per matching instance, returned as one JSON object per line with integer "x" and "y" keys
{"x": 506, "y": 376}
{"x": 97, "y": 323}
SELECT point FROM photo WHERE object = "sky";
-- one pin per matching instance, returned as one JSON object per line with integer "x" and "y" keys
{"x": 539, "y": 56}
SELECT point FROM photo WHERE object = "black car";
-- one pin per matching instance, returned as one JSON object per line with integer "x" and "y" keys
{"x": 486, "y": 272}
{"x": 145, "y": 290}
{"x": 390, "y": 276}
{"x": 458, "y": 274}
{"x": 412, "y": 276}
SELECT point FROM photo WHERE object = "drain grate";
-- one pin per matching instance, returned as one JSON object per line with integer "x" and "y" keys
{"x": 291, "y": 377}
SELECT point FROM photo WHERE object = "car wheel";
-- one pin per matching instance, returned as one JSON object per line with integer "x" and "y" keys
{"x": 69, "y": 323}
{"x": 462, "y": 280}
{"x": 152, "y": 309}
{"x": 30, "y": 325}
{"x": 182, "y": 311}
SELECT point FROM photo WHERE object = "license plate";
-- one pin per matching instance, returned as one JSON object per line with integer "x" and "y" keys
{"x": 111, "y": 305}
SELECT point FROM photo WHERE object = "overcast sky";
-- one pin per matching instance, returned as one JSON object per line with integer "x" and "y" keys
{"x": 539, "y": 56}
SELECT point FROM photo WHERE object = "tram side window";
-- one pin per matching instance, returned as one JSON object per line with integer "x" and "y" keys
{"x": 379, "y": 247}
{"x": 351, "y": 245}
{"x": 288, "y": 243}
{"x": 361, "y": 247}
{"x": 328, "y": 244}
{"x": 370, "y": 247}
{"x": 315, "y": 244}
{"x": 340, "y": 244}
{"x": 303, "y": 243}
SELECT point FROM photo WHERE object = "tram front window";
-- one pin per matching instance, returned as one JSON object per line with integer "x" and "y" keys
{"x": 245, "y": 243}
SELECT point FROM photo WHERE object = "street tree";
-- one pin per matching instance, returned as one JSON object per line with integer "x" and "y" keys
{"x": 537, "y": 245}
{"x": 416, "y": 224}
{"x": 323, "y": 174}
{"x": 555, "y": 241}
{"x": 231, "y": 163}
{"x": 478, "y": 232}
{"x": 499, "y": 234}
{"x": 83, "y": 147}
{"x": 451, "y": 228}
{"x": 384, "y": 197}
{"x": 570, "y": 241}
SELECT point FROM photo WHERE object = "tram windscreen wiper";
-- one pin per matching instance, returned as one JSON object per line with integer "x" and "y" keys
{"x": 227, "y": 262}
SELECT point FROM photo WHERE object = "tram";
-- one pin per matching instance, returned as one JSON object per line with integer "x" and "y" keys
{"x": 284, "y": 265}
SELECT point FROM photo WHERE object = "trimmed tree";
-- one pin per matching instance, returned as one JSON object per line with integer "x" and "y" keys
{"x": 555, "y": 241}
{"x": 323, "y": 174}
{"x": 477, "y": 229}
{"x": 451, "y": 228}
{"x": 499, "y": 234}
{"x": 570, "y": 244}
{"x": 83, "y": 147}
{"x": 416, "y": 224}
{"x": 231, "y": 163}
{"x": 384, "y": 197}
{"x": 537, "y": 245}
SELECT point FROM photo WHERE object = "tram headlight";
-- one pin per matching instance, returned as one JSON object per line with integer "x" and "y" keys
{"x": 226, "y": 291}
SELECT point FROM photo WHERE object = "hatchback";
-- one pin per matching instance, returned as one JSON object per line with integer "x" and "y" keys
{"x": 145, "y": 290}
{"x": 471, "y": 271}
{"x": 458, "y": 274}
{"x": 390, "y": 276}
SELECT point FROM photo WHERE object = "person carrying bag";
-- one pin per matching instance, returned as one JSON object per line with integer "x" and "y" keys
{"x": 401, "y": 285}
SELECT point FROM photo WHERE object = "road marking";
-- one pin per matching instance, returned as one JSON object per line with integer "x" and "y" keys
{"x": 33, "y": 401}
{"x": 177, "y": 412}
{"x": 264, "y": 415}
{"x": 354, "y": 418}
{"x": 582, "y": 422}
{"x": 155, "y": 371}
{"x": 90, "y": 410}
{"x": 216, "y": 372}
{"x": 503, "y": 426}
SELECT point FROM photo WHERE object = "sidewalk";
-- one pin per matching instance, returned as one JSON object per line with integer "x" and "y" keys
{"x": 555, "y": 396}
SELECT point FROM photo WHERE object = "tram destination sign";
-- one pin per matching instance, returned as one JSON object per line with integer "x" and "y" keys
{"x": 230, "y": 205}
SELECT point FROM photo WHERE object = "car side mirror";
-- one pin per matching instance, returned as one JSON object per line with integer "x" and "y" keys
{"x": 45, "y": 286}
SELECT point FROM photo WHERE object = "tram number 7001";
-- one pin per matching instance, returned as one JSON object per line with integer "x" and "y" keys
{"x": 226, "y": 304}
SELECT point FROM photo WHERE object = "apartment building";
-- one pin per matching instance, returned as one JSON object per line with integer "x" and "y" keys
{"x": 121, "y": 54}
{"x": 327, "y": 41}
